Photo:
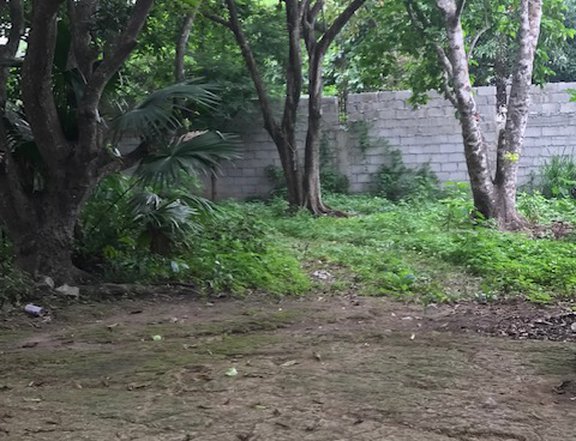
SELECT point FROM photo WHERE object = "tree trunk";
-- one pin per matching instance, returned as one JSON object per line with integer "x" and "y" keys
{"x": 494, "y": 199}
{"x": 474, "y": 146}
{"x": 43, "y": 238}
{"x": 512, "y": 141}
{"x": 312, "y": 189}
{"x": 182, "y": 44}
{"x": 288, "y": 153}
{"x": 47, "y": 250}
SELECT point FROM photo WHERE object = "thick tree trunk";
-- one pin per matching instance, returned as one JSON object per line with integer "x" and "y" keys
{"x": 47, "y": 249}
{"x": 43, "y": 235}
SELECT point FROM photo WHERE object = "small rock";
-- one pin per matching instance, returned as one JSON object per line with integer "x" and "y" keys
{"x": 322, "y": 275}
{"x": 49, "y": 282}
{"x": 69, "y": 291}
{"x": 490, "y": 403}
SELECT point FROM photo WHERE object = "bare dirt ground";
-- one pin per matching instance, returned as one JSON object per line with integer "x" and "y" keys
{"x": 323, "y": 369}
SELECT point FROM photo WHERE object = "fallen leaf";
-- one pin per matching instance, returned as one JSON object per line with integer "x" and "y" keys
{"x": 232, "y": 372}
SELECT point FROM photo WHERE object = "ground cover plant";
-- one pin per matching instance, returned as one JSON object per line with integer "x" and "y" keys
{"x": 416, "y": 249}
{"x": 433, "y": 250}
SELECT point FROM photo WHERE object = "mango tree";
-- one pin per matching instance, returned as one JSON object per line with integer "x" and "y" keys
{"x": 59, "y": 130}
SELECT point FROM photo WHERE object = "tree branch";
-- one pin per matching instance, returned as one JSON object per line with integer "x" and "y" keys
{"x": 182, "y": 43}
{"x": 421, "y": 23}
{"x": 460, "y": 8}
{"x": 475, "y": 41}
{"x": 89, "y": 122}
{"x": 37, "y": 87}
{"x": 81, "y": 15}
{"x": 252, "y": 66}
{"x": 304, "y": 6}
{"x": 294, "y": 67}
{"x": 315, "y": 9}
{"x": 117, "y": 56}
{"x": 338, "y": 24}
{"x": 217, "y": 20}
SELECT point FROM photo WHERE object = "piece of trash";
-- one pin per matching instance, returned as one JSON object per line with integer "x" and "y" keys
{"x": 413, "y": 336}
{"x": 289, "y": 363}
{"x": 232, "y": 372}
{"x": 34, "y": 310}
{"x": 112, "y": 326}
{"x": 156, "y": 337}
{"x": 317, "y": 356}
{"x": 573, "y": 327}
{"x": 70, "y": 291}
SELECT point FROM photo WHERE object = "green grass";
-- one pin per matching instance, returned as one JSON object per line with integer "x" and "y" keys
{"x": 429, "y": 251}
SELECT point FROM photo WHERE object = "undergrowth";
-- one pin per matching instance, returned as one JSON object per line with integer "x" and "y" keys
{"x": 432, "y": 250}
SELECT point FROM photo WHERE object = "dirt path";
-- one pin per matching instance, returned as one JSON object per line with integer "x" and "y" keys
{"x": 330, "y": 369}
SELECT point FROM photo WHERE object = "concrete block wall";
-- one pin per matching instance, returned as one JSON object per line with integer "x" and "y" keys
{"x": 429, "y": 134}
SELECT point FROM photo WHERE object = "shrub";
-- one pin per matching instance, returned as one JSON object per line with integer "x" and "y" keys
{"x": 15, "y": 285}
{"x": 395, "y": 181}
{"x": 331, "y": 180}
{"x": 557, "y": 177}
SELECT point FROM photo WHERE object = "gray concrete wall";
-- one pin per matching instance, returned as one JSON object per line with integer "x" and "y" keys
{"x": 429, "y": 134}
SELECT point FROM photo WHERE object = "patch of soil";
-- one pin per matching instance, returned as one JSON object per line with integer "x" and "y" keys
{"x": 312, "y": 369}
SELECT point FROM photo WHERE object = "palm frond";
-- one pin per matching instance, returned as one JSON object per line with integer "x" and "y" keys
{"x": 161, "y": 111}
{"x": 202, "y": 152}
{"x": 169, "y": 214}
